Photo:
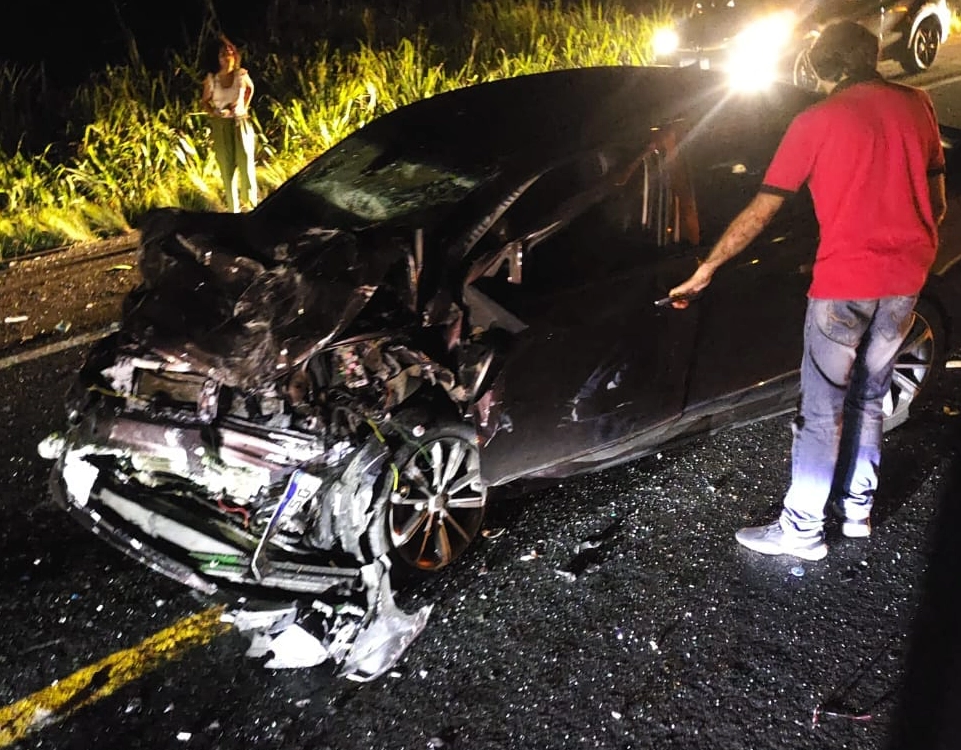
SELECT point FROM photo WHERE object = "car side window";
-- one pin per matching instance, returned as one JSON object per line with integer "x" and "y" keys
{"x": 583, "y": 221}
{"x": 727, "y": 177}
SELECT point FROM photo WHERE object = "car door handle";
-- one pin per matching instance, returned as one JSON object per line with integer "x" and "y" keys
{"x": 665, "y": 301}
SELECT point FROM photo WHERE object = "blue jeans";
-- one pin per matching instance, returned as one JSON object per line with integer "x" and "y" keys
{"x": 849, "y": 351}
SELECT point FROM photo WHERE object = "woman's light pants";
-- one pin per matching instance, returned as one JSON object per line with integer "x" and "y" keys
{"x": 234, "y": 142}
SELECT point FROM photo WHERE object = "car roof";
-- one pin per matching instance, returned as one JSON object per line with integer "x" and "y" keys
{"x": 548, "y": 114}
{"x": 520, "y": 124}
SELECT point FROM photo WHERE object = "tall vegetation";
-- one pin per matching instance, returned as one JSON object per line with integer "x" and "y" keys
{"x": 135, "y": 138}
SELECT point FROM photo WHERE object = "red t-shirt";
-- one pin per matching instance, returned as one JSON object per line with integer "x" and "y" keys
{"x": 866, "y": 153}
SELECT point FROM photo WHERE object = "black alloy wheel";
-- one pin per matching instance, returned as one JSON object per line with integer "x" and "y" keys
{"x": 923, "y": 46}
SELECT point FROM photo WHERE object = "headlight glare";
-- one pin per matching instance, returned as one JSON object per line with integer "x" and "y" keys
{"x": 757, "y": 52}
{"x": 665, "y": 41}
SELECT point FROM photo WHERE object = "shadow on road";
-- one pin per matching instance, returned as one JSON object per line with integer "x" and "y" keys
{"x": 929, "y": 713}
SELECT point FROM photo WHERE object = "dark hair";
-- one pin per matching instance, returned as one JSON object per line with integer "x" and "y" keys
{"x": 226, "y": 44}
{"x": 213, "y": 50}
{"x": 844, "y": 49}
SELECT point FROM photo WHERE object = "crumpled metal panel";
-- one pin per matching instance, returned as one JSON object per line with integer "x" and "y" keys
{"x": 365, "y": 641}
{"x": 387, "y": 631}
{"x": 246, "y": 312}
{"x": 346, "y": 509}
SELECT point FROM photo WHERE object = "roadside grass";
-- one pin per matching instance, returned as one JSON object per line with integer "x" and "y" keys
{"x": 136, "y": 139}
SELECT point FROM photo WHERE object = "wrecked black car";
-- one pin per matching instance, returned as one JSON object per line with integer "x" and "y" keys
{"x": 458, "y": 296}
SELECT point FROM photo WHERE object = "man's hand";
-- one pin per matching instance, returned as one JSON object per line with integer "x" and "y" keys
{"x": 696, "y": 284}
{"x": 740, "y": 233}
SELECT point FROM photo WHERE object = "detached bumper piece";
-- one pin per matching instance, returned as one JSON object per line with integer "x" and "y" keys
{"x": 365, "y": 642}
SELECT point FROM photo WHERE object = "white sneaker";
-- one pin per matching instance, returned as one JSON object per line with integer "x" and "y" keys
{"x": 852, "y": 528}
{"x": 773, "y": 540}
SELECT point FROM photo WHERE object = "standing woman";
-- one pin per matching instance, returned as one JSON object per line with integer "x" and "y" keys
{"x": 226, "y": 98}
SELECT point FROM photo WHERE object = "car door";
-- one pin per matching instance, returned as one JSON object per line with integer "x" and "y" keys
{"x": 594, "y": 363}
{"x": 750, "y": 332}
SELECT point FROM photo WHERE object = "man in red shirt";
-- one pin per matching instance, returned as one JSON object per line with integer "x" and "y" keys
{"x": 871, "y": 155}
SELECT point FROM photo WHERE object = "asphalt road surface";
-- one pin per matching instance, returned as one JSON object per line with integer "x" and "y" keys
{"x": 665, "y": 635}
{"x": 661, "y": 633}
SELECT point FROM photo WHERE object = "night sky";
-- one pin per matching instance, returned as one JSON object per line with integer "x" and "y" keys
{"x": 72, "y": 38}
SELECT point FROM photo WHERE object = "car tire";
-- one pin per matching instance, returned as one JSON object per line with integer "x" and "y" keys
{"x": 923, "y": 46}
{"x": 432, "y": 499}
{"x": 804, "y": 75}
{"x": 918, "y": 366}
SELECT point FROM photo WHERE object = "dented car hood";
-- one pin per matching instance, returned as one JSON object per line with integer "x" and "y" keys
{"x": 248, "y": 311}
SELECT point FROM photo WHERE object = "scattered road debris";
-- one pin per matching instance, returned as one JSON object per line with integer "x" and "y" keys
{"x": 365, "y": 641}
{"x": 822, "y": 713}
{"x": 590, "y": 553}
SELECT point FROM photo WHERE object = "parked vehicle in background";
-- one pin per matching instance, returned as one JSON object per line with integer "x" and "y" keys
{"x": 458, "y": 296}
{"x": 757, "y": 41}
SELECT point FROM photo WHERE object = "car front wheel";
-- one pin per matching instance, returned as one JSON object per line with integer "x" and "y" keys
{"x": 919, "y": 362}
{"x": 432, "y": 503}
{"x": 923, "y": 46}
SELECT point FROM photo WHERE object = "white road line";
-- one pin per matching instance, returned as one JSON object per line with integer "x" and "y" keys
{"x": 943, "y": 82}
{"x": 44, "y": 351}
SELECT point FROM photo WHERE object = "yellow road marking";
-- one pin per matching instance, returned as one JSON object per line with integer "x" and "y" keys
{"x": 88, "y": 685}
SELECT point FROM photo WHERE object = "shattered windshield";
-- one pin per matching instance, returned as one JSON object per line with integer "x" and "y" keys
{"x": 362, "y": 181}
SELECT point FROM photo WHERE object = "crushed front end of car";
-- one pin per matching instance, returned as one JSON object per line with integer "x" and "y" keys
{"x": 276, "y": 428}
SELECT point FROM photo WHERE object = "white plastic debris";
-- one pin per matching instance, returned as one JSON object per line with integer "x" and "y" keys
{"x": 184, "y": 736}
{"x": 16, "y": 319}
{"x": 367, "y": 642}
{"x": 79, "y": 476}
{"x": 52, "y": 446}
{"x": 272, "y": 619}
{"x": 295, "y": 648}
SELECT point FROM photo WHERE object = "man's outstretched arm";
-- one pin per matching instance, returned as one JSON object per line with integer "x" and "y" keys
{"x": 740, "y": 233}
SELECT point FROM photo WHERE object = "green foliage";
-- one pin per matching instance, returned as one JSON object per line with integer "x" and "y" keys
{"x": 141, "y": 141}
